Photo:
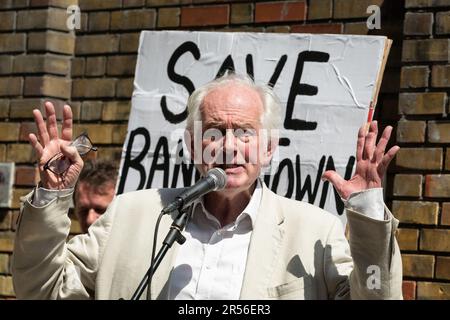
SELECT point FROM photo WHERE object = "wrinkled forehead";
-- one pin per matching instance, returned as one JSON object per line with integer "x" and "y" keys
{"x": 235, "y": 105}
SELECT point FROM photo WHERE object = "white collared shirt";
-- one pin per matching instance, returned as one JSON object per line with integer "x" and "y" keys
{"x": 211, "y": 263}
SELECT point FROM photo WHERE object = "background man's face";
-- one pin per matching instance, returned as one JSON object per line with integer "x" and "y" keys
{"x": 91, "y": 202}
{"x": 235, "y": 112}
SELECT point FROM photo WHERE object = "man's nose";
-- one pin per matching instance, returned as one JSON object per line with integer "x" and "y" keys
{"x": 229, "y": 140}
{"x": 91, "y": 217}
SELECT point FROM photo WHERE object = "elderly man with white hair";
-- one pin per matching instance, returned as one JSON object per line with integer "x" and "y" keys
{"x": 242, "y": 242}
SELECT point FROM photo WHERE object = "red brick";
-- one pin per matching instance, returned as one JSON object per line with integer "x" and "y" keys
{"x": 205, "y": 16}
{"x": 409, "y": 290}
{"x": 276, "y": 11}
{"x": 23, "y": 108}
{"x": 26, "y": 176}
{"x": 437, "y": 185}
{"x": 419, "y": 158}
{"x": 332, "y": 28}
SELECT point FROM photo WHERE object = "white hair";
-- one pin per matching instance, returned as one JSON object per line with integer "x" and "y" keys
{"x": 271, "y": 117}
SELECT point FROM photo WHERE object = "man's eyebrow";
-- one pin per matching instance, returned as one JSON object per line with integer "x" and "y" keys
{"x": 220, "y": 124}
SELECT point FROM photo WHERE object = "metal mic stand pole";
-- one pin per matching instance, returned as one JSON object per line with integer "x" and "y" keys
{"x": 173, "y": 235}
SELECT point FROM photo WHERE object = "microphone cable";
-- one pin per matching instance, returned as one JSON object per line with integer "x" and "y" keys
{"x": 155, "y": 238}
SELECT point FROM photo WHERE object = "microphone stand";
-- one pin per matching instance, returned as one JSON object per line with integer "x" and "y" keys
{"x": 173, "y": 235}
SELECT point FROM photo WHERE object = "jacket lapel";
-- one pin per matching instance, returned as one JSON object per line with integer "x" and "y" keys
{"x": 264, "y": 248}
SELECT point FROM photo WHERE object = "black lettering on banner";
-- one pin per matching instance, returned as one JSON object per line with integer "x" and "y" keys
{"x": 276, "y": 74}
{"x": 347, "y": 176}
{"x": 228, "y": 64}
{"x": 136, "y": 162}
{"x": 164, "y": 166}
{"x": 191, "y": 47}
{"x": 290, "y": 173}
{"x": 307, "y": 184}
{"x": 249, "y": 66}
{"x": 186, "y": 169}
{"x": 298, "y": 88}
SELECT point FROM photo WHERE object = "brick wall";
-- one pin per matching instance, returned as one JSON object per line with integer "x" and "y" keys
{"x": 92, "y": 69}
{"x": 421, "y": 188}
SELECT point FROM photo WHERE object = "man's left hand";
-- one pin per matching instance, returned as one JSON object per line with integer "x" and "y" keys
{"x": 371, "y": 162}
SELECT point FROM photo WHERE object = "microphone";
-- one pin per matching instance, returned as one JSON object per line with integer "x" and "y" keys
{"x": 215, "y": 179}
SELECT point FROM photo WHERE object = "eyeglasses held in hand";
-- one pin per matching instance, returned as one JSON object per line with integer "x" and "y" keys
{"x": 58, "y": 164}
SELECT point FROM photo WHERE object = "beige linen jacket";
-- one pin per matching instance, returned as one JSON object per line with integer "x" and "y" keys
{"x": 297, "y": 251}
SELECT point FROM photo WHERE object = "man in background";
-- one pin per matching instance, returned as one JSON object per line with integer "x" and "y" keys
{"x": 94, "y": 191}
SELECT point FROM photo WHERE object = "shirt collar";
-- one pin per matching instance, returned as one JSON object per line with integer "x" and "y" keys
{"x": 251, "y": 210}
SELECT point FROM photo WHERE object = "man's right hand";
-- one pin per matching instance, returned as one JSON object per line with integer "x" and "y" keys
{"x": 48, "y": 144}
